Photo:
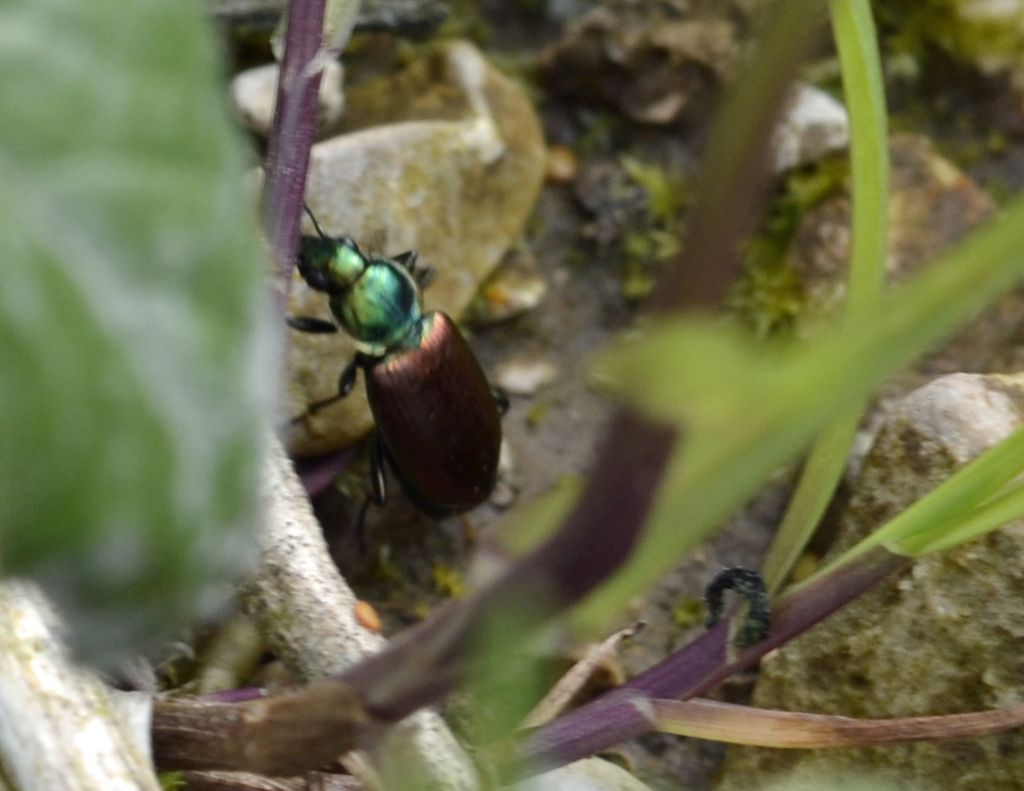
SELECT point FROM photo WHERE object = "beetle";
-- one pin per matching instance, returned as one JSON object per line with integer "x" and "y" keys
{"x": 438, "y": 421}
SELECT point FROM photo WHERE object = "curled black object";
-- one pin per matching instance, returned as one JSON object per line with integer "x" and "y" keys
{"x": 750, "y": 585}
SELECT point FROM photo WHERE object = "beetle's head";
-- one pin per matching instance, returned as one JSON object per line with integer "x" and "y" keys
{"x": 330, "y": 264}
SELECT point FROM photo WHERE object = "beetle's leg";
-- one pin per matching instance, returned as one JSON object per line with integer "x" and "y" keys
{"x": 425, "y": 276}
{"x": 500, "y": 400}
{"x": 378, "y": 494}
{"x": 316, "y": 406}
{"x": 407, "y": 259}
{"x": 378, "y": 482}
{"x": 750, "y": 585}
{"x": 361, "y": 524}
{"x": 310, "y": 324}
{"x": 347, "y": 380}
{"x": 410, "y": 260}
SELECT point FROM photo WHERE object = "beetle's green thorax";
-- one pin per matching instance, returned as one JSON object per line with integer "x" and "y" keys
{"x": 381, "y": 309}
{"x": 376, "y": 300}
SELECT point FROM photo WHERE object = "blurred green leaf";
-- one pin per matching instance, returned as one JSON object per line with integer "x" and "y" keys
{"x": 135, "y": 337}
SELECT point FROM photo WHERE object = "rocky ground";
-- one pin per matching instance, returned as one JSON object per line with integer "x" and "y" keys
{"x": 538, "y": 155}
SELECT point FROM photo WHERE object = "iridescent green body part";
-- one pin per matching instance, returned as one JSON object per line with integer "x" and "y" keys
{"x": 438, "y": 420}
{"x": 376, "y": 300}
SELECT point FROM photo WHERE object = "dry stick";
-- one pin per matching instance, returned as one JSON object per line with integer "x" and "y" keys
{"x": 307, "y": 614}
{"x": 241, "y": 781}
{"x": 561, "y": 694}
{"x": 728, "y": 722}
{"x": 282, "y": 735}
{"x": 60, "y": 727}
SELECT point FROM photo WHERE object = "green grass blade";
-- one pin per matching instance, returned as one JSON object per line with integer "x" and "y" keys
{"x": 817, "y": 483}
{"x": 864, "y": 91}
{"x": 949, "y": 513}
{"x": 857, "y": 45}
{"x": 746, "y": 408}
{"x": 990, "y": 516}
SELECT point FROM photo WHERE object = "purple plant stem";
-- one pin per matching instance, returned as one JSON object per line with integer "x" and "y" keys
{"x": 291, "y": 136}
{"x": 698, "y": 667}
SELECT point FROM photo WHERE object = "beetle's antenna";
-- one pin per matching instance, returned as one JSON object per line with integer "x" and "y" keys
{"x": 316, "y": 225}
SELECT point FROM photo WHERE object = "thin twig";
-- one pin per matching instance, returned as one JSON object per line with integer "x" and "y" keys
{"x": 566, "y": 688}
{"x": 307, "y": 614}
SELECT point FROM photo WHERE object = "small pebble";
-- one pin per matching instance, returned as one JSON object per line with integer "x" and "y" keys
{"x": 502, "y": 496}
{"x": 367, "y": 616}
{"x": 254, "y": 94}
{"x": 814, "y": 124}
{"x": 561, "y": 166}
{"x": 505, "y": 491}
{"x": 525, "y": 376}
{"x": 514, "y": 288}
